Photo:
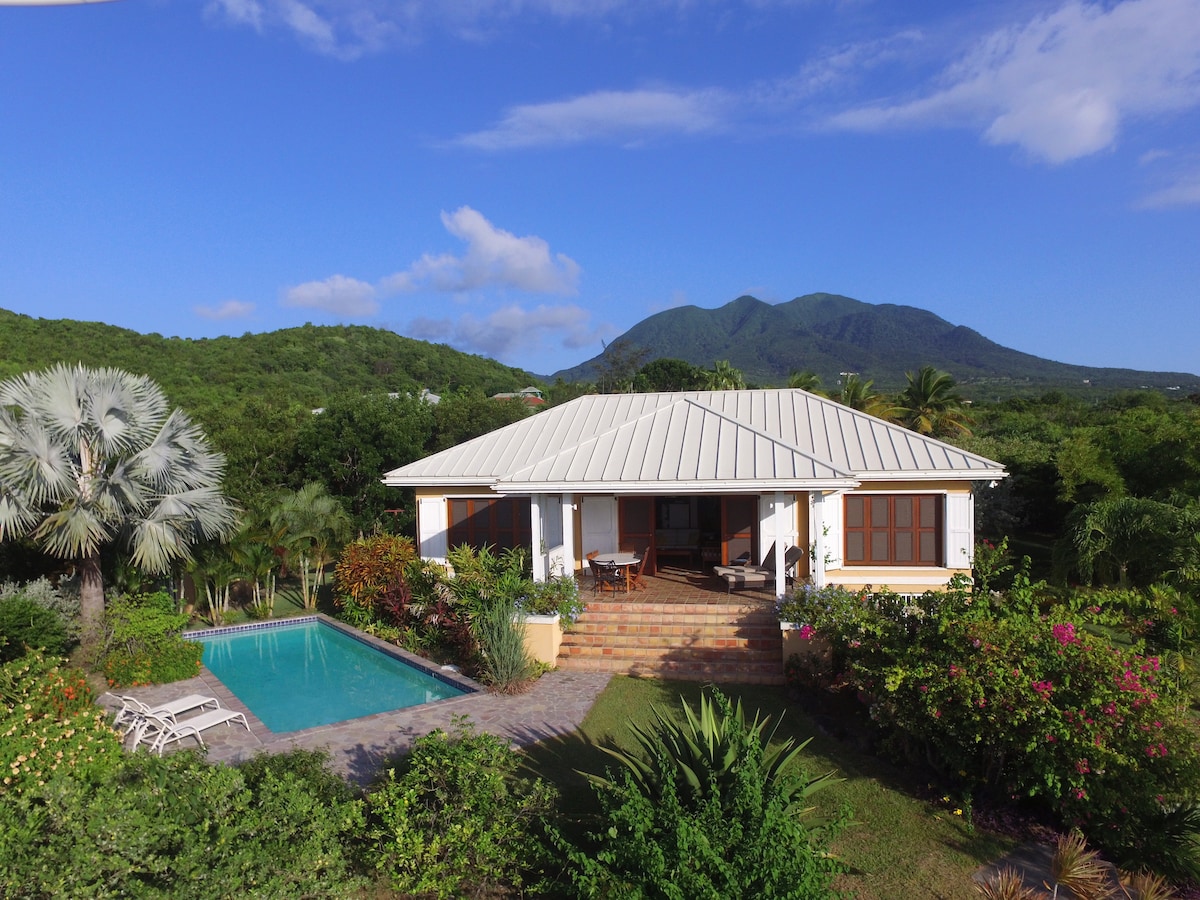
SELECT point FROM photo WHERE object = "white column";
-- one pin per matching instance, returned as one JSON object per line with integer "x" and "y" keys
{"x": 568, "y": 534}
{"x": 782, "y": 532}
{"x": 816, "y": 532}
{"x": 536, "y": 537}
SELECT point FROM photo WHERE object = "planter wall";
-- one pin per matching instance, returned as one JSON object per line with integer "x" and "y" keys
{"x": 816, "y": 651}
{"x": 543, "y": 637}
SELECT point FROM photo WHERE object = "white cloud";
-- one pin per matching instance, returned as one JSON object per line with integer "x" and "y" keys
{"x": 347, "y": 29}
{"x": 513, "y": 331}
{"x": 230, "y": 309}
{"x": 337, "y": 294}
{"x": 1061, "y": 85}
{"x": 605, "y": 115}
{"x": 494, "y": 258}
{"x": 1182, "y": 188}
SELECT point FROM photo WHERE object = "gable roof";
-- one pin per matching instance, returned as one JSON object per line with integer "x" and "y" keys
{"x": 694, "y": 442}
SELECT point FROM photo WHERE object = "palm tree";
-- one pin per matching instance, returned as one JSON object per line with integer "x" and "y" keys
{"x": 311, "y": 525}
{"x": 724, "y": 377}
{"x": 808, "y": 380}
{"x": 931, "y": 404}
{"x": 1109, "y": 537}
{"x": 92, "y": 457}
{"x": 860, "y": 395}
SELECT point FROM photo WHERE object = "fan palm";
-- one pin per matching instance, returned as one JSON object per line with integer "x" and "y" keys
{"x": 92, "y": 457}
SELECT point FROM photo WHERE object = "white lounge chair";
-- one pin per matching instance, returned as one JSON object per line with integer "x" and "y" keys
{"x": 133, "y": 710}
{"x": 159, "y": 731}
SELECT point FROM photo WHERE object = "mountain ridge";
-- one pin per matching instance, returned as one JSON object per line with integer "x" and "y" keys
{"x": 831, "y": 335}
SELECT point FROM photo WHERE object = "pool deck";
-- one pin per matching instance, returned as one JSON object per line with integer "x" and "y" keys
{"x": 555, "y": 705}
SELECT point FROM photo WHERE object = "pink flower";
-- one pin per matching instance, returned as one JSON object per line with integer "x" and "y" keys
{"x": 1065, "y": 634}
{"x": 806, "y": 632}
{"x": 1043, "y": 688}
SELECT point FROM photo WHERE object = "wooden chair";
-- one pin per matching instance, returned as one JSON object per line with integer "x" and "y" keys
{"x": 635, "y": 580}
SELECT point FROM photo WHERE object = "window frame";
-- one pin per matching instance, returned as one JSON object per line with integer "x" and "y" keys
{"x": 882, "y": 543}
{"x": 488, "y": 524}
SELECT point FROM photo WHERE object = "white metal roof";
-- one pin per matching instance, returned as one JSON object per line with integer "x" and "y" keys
{"x": 694, "y": 442}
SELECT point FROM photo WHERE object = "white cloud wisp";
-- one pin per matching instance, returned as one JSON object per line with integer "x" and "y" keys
{"x": 1061, "y": 85}
{"x": 230, "y": 309}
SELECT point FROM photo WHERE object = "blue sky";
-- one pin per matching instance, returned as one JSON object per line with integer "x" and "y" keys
{"x": 528, "y": 178}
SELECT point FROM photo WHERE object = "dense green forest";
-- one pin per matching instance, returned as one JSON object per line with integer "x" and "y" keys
{"x": 306, "y": 366}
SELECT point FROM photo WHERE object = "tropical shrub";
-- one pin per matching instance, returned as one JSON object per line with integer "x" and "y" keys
{"x": 49, "y": 724}
{"x": 26, "y": 625}
{"x": 710, "y": 809}
{"x": 142, "y": 642}
{"x": 371, "y": 566}
{"x": 178, "y": 827}
{"x": 453, "y": 819}
{"x": 557, "y": 594}
{"x": 61, "y": 598}
{"x": 1012, "y": 695}
{"x": 506, "y": 664}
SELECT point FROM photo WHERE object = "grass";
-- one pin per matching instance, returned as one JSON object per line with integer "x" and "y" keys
{"x": 902, "y": 846}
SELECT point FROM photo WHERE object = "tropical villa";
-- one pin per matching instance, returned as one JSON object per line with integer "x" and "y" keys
{"x": 699, "y": 479}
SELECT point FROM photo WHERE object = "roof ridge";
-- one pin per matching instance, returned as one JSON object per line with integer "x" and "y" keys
{"x": 774, "y": 439}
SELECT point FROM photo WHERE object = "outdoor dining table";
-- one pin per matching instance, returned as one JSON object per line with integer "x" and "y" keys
{"x": 627, "y": 562}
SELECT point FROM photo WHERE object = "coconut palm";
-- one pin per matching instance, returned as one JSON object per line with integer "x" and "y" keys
{"x": 724, "y": 377}
{"x": 860, "y": 395}
{"x": 931, "y": 404}
{"x": 808, "y": 380}
{"x": 92, "y": 457}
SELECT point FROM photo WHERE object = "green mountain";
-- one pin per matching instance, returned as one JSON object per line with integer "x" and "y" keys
{"x": 307, "y": 365}
{"x": 829, "y": 334}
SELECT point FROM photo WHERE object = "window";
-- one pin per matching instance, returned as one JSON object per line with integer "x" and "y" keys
{"x": 502, "y": 522}
{"x": 893, "y": 530}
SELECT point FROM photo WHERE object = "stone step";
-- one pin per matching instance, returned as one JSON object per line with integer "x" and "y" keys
{"x": 735, "y": 641}
{"x": 741, "y": 672}
{"x": 668, "y": 638}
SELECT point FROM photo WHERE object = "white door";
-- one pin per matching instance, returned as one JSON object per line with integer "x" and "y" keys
{"x": 599, "y": 523}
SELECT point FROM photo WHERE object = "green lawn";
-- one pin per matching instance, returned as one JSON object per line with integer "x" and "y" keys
{"x": 901, "y": 846}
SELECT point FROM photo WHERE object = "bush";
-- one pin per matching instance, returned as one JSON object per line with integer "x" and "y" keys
{"x": 711, "y": 811}
{"x": 555, "y": 595}
{"x": 25, "y": 624}
{"x": 49, "y": 724}
{"x": 61, "y": 599}
{"x": 1010, "y": 697}
{"x": 452, "y": 819}
{"x": 181, "y": 828}
{"x": 507, "y": 665}
{"x": 142, "y": 643}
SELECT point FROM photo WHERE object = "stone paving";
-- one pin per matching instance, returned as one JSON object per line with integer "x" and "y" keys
{"x": 555, "y": 705}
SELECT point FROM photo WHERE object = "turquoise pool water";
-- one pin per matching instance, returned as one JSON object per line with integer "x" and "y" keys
{"x": 295, "y": 676}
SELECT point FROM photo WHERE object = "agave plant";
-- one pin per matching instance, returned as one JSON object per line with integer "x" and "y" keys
{"x": 704, "y": 753}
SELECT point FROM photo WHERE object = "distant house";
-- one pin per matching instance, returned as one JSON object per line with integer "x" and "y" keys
{"x": 531, "y": 395}
{"x": 707, "y": 477}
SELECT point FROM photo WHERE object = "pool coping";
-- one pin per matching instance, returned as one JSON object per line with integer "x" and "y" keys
{"x": 446, "y": 674}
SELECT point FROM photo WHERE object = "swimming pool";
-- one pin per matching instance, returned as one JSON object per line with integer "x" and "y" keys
{"x": 310, "y": 673}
